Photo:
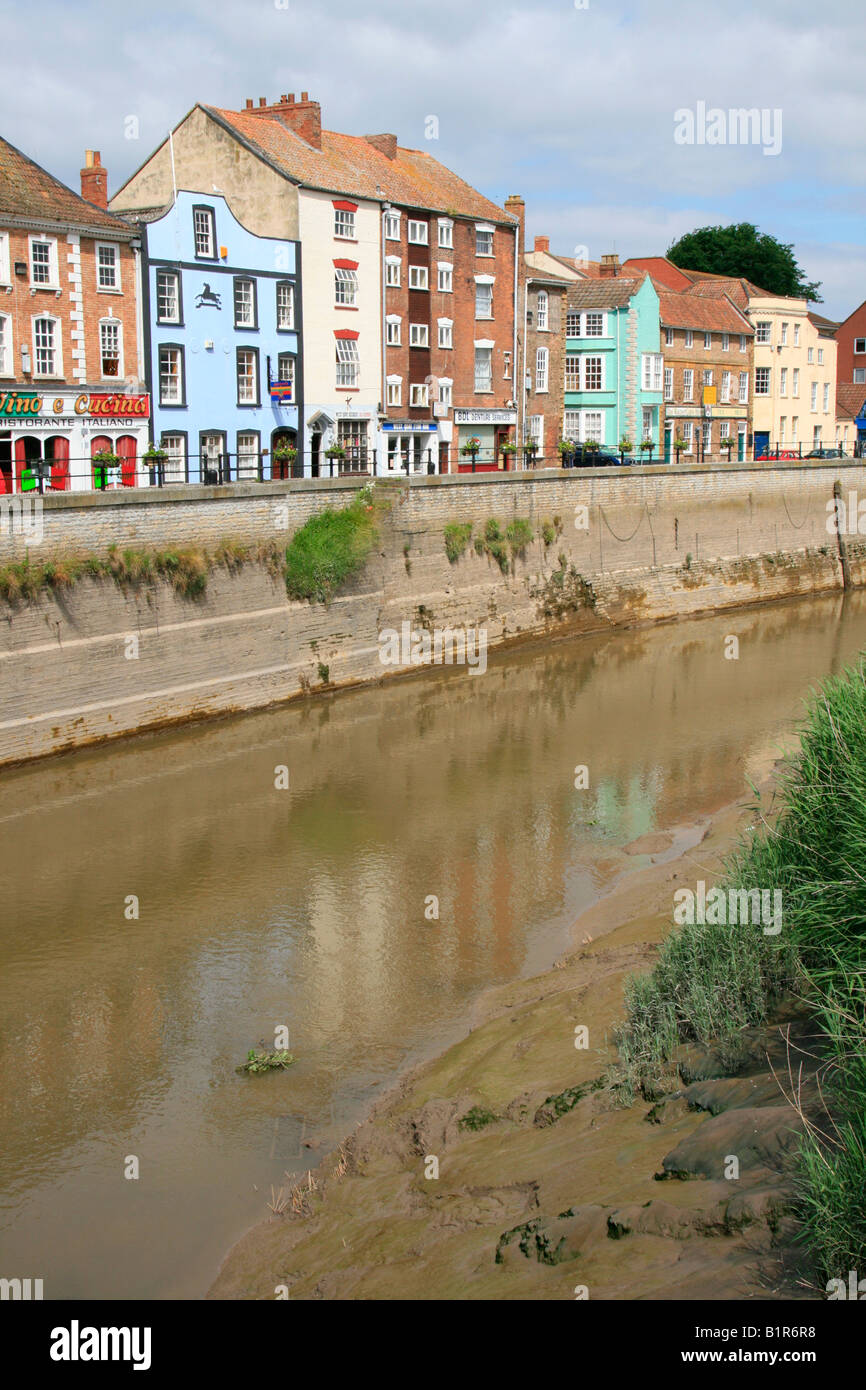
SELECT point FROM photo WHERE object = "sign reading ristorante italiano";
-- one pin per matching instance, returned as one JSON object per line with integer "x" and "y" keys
{"x": 27, "y": 404}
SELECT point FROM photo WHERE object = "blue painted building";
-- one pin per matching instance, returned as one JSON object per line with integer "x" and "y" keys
{"x": 613, "y": 362}
{"x": 222, "y": 316}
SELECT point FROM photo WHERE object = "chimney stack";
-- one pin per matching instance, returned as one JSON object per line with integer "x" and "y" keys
{"x": 515, "y": 205}
{"x": 94, "y": 180}
{"x": 304, "y": 117}
{"x": 609, "y": 267}
{"x": 385, "y": 144}
{"x": 542, "y": 243}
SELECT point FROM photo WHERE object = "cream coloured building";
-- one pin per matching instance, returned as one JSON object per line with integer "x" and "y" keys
{"x": 794, "y": 388}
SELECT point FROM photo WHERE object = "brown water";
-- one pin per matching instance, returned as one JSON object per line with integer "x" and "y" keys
{"x": 257, "y": 907}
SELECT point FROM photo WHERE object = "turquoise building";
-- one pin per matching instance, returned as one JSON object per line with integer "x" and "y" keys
{"x": 613, "y": 362}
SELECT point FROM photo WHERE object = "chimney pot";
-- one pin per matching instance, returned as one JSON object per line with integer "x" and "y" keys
{"x": 263, "y": 101}
{"x": 542, "y": 243}
{"x": 290, "y": 99}
{"x": 609, "y": 267}
{"x": 249, "y": 103}
{"x": 305, "y": 96}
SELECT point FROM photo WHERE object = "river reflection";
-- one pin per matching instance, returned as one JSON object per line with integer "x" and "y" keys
{"x": 120, "y": 1034}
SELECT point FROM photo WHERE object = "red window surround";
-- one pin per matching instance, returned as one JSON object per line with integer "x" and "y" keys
{"x": 346, "y": 265}
{"x": 346, "y": 333}
{"x": 345, "y": 206}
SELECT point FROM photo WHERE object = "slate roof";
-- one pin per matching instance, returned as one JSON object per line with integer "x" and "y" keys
{"x": 714, "y": 314}
{"x": 30, "y": 194}
{"x": 850, "y": 399}
{"x": 348, "y": 164}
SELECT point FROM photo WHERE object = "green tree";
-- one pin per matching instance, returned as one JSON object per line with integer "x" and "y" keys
{"x": 742, "y": 250}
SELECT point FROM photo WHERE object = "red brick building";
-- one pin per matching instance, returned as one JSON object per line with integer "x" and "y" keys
{"x": 708, "y": 348}
{"x": 70, "y": 363}
{"x": 851, "y": 348}
{"x": 543, "y": 309}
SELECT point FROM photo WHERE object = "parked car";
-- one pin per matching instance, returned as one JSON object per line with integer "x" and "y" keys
{"x": 779, "y": 454}
{"x": 827, "y": 454}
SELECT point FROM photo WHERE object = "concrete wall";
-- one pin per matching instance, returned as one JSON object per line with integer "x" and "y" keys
{"x": 648, "y": 544}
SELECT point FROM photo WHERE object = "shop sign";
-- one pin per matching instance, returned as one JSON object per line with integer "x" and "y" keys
{"x": 485, "y": 417}
{"x": 28, "y": 405}
{"x": 410, "y": 426}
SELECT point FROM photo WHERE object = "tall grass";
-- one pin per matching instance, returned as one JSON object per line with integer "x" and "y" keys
{"x": 331, "y": 548}
{"x": 712, "y": 981}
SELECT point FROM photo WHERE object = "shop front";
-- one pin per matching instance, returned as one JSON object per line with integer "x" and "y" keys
{"x": 481, "y": 435}
{"x": 410, "y": 446}
{"x": 72, "y": 442}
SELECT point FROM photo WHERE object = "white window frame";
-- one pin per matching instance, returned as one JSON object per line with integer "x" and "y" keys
{"x": 744, "y": 342}
{"x": 445, "y": 277}
{"x": 669, "y": 337}
{"x": 688, "y": 383}
{"x": 763, "y": 374}
{"x": 5, "y": 266}
{"x": 112, "y": 246}
{"x": 419, "y": 335}
{"x": 485, "y": 230}
{"x": 344, "y": 225}
{"x": 285, "y": 287}
{"x": 286, "y": 365}
{"x": 783, "y": 337}
{"x": 348, "y": 362}
{"x": 795, "y": 380}
{"x": 542, "y": 314}
{"x": 248, "y": 460}
{"x": 7, "y": 345}
{"x": 244, "y": 296}
{"x": 210, "y": 217}
{"x": 53, "y": 283}
{"x": 445, "y": 391}
{"x": 249, "y": 379}
{"x": 419, "y": 277}
{"x": 446, "y": 332}
{"x": 764, "y": 331}
{"x": 446, "y": 233}
{"x": 585, "y": 325}
{"x": 542, "y": 370}
{"x": 820, "y": 357}
{"x": 417, "y": 233}
{"x": 485, "y": 346}
{"x": 585, "y": 359}
{"x": 669, "y": 383}
{"x": 689, "y": 339}
{"x": 708, "y": 341}
{"x": 783, "y": 381}
{"x": 117, "y": 327}
{"x": 484, "y": 285}
{"x": 743, "y": 389}
{"x": 394, "y": 390}
{"x": 178, "y": 352}
{"x": 727, "y": 381}
{"x": 418, "y": 395}
{"x": 345, "y": 287}
{"x": 392, "y": 272}
{"x": 393, "y": 330}
{"x": 796, "y": 335}
{"x": 813, "y": 397}
{"x": 174, "y": 444}
{"x": 57, "y": 346}
{"x": 651, "y": 371}
{"x": 392, "y": 219}
{"x": 726, "y": 342}
{"x": 169, "y": 275}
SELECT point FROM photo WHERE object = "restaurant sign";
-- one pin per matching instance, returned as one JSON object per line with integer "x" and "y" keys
{"x": 97, "y": 406}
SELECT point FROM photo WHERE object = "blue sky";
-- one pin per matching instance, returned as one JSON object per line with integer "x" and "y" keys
{"x": 570, "y": 102}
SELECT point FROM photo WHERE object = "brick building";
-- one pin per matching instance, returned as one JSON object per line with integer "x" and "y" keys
{"x": 708, "y": 348}
{"x": 544, "y": 306}
{"x": 409, "y": 341}
{"x": 851, "y": 348}
{"x": 70, "y": 346}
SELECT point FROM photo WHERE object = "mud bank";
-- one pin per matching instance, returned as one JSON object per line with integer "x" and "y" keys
{"x": 545, "y": 1188}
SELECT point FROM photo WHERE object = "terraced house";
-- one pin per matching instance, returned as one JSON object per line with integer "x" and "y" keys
{"x": 408, "y": 273}
{"x": 613, "y": 360}
{"x": 71, "y": 371}
{"x": 708, "y": 360}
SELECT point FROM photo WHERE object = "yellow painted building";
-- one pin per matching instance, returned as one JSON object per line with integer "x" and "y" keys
{"x": 794, "y": 391}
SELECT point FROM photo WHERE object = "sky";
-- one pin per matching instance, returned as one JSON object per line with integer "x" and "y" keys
{"x": 575, "y": 104}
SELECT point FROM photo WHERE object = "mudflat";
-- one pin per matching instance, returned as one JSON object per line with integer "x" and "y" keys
{"x": 504, "y": 1168}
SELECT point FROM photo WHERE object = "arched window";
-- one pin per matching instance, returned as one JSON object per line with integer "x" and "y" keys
{"x": 541, "y": 321}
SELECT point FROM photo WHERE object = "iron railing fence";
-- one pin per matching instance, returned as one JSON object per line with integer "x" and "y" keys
{"x": 208, "y": 470}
